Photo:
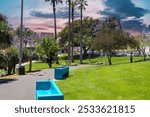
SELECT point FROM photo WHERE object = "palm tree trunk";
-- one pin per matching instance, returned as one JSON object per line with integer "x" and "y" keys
{"x": 69, "y": 28}
{"x": 72, "y": 35}
{"x": 81, "y": 34}
{"x": 55, "y": 28}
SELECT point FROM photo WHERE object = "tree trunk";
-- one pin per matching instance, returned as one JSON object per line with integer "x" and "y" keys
{"x": 89, "y": 56}
{"x": 101, "y": 57}
{"x": 85, "y": 51}
{"x": 81, "y": 34}
{"x": 14, "y": 68}
{"x": 55, "y": 28}
{"x": 105, "y": 57}
{"x": 9, "y": 70}
{"x": 72, "y": 35}
{"x": 109, "y": 57}
{"x": 30, "y": 64}
{"x": 109, "y": 60}
{"x": 49, "y": 61}
{"x": 69, "y": 33}
{"x": 50, "y": 65}
{"x": 144, "y": 55}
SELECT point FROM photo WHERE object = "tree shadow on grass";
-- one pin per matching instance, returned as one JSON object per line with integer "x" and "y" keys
{"x": 142, "y": 60}
{"x": 136, "y": 61}
{"x": 5, "y": 80}
{"x": 33, "y": 71}
{"x": 121, "y": 63}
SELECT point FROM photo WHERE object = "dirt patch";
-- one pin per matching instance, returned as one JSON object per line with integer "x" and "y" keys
{"x": 9, "y": 77}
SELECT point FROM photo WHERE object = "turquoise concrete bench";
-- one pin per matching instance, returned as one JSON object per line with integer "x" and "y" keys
{"x": 61, "y": 73}
{"x": 48, "y": 90}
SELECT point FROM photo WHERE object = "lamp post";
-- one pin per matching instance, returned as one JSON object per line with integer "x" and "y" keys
{"x": 21, "y": 30}
{"x": 20, "y": 70}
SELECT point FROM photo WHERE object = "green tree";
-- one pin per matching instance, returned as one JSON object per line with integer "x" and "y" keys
{"x": 54, "y": 3}
{"x": 89, "y": 25}
{"x": 5, "y": 32}
{"x": 3, "y": 18}
{"x": 9, "y": 59}
{"x": 26, "y": 34}
{"x": 143, "y": 43}
{"x": 29, "y": 41}
{"x": 12, "y": 59}
{"x": 3, "y": 60}
{"x": 48, "y": 48}
{"x": 111, "y": 38}
{"x": 82, "y": 4}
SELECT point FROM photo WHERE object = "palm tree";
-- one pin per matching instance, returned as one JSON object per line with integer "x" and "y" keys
{"x": 82, "y": 4}
{"x": 69, "y": 29}
{"x": 54, "y": 3}
{"x": 73, "y": 4}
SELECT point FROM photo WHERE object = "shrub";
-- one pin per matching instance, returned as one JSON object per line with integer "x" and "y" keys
{"x": 48, "y": 49}
{"x": 12, "y": 59}
{"x": 3, "y": 60}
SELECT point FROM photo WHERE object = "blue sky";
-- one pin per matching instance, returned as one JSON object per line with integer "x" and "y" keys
{"x": 38, "y": 14}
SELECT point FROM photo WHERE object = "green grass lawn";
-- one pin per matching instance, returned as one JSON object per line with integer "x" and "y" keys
{"x": 121, "y": 81}
{"x": 37, "y": 66}
{"x": 116, "y": 60}
{"x": 40, "y": 66}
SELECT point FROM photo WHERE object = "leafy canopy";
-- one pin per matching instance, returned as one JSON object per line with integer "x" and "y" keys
{"x": 48, "y": 48}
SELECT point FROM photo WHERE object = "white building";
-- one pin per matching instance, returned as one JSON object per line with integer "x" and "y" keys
{"x": 46, "y": 35}
{"x": 147, "y": 50}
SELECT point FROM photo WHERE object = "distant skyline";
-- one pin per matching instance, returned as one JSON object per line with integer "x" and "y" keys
{"x": 38, "y": 14}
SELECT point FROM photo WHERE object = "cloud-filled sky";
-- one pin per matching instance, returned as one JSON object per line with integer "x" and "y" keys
{"x": 38, "y": 15}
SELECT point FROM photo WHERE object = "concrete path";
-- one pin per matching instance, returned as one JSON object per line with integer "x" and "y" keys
{"x": 23, "y": 87}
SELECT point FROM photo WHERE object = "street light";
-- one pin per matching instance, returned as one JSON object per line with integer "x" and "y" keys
{"x": 20, "y": 70}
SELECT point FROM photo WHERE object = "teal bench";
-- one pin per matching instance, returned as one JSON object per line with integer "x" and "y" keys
{"x": 48, "y": 90}
{"x": 61, "y": 73}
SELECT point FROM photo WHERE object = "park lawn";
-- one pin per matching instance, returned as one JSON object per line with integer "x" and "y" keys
{"x": 127, "y": 81}
{"x": 41, "y": 65}
{"x": 37, "y": 66}
{"x": 116, "y": 60}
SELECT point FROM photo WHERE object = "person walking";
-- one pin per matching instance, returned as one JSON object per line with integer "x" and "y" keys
{"x": 131, "y": 57}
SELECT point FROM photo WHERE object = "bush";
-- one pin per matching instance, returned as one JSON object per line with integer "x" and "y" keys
{"x": 48, "y": 49}
{"x": 25, "y": 55}
{"x": 3, "y": 60}
{"x": 12, "y": 59}
{"x": 9, "y": 59}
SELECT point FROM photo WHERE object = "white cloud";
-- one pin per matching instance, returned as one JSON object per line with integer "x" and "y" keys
{"x": 130, "y": 18}
{"x": 93, "y": 7}
{"x": 146, "y": 19}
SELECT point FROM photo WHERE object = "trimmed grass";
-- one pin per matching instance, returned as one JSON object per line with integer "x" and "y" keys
{"x": 116, "y": 60}
{"x": 37, "y": 66}
{"x": 117, "y": 82}
{"x": 40, "y": 66}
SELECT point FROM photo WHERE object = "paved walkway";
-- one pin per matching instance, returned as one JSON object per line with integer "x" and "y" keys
{"x": 23, "y": 87}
